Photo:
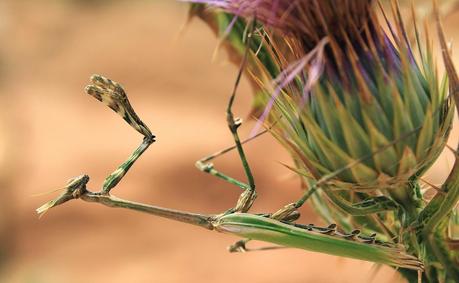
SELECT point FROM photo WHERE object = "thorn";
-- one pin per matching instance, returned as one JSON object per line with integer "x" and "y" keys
{"x": 330, "y": 230}
{"x": 368, "y": 239}
{"x": 332, "y": 226}
{"x": 456, "y": 154}
{"x": 439, "y": 190}
{"x": 352, "y": 235}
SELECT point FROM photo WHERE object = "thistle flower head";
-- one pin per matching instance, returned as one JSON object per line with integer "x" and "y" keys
{"x": 309, "y": 19}
{"x": 378, "y": 116}
{"x": 350, "y": 100}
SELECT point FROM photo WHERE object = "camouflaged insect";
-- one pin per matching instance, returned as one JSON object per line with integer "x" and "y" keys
{"x": 258, "y": 227}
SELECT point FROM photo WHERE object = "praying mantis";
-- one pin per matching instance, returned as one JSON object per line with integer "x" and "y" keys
{"x": 278, "y": 228}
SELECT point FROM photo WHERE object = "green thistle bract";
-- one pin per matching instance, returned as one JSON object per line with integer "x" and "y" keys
{"x": 377, "y": 117}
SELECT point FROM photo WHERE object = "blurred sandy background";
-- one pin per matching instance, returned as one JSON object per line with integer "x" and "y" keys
{"x": 51, "y": 131}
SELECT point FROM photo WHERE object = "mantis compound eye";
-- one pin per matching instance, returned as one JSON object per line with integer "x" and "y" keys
{"x": 77, "y": 182}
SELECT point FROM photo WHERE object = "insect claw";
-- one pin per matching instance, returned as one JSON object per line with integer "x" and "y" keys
{"x": 104, "y": 82}
{"x": 208, "y": 167}
{"x": 150, "y": 139}
{"x": 205, "y": 167}
{"x": 94, "y": 91}
{"x": 238, "y": 247}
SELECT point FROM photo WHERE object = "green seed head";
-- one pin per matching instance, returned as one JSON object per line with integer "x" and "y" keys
{"x": 377, "y": 116}
{"x": 365, "y": 108}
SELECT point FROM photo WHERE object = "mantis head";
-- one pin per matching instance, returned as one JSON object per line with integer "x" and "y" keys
{"x": 74, "y": 189}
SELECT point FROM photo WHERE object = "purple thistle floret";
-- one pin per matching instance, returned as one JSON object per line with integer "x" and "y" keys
{"x": 337, "y": 44}
{"x": 311, "y": 19}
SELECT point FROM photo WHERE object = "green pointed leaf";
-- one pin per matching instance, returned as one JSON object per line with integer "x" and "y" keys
{"x": 356, "y": 139}
{"x": 402, "y": 124}
{"x": 425, "y": 139}
{"x": 378, "y": 116}
{"x": 331, "y": 123}
{"x": 407, "y": 163}
{"x": 337, "y": 158}
{"x": 384, "y": 160}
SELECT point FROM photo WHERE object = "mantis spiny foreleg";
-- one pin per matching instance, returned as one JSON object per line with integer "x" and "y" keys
{"x": 113, "y": 95}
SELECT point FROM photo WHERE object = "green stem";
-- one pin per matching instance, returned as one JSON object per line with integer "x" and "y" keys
{"x": 433, "y": 218}
{"x": 408, "y": 215}
{"x": 442, "y": 205}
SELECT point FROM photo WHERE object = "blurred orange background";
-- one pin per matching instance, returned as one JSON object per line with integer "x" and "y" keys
{"x": 51, "y": 131}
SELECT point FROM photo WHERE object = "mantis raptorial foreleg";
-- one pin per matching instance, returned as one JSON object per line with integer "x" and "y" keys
{"x": 113, "y": 95}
